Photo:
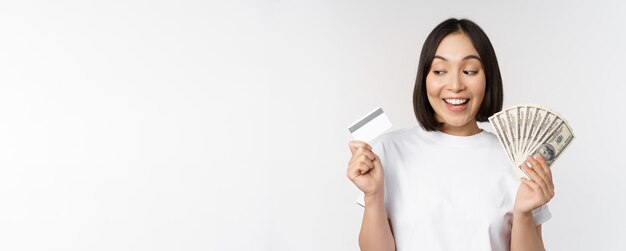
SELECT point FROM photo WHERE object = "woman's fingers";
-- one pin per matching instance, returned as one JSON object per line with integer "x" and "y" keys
{"x": 356, "y": 144}
{"x": 367, "y": 153}
{"x": 539, "y": 177}
{"x": 536, "y": 169}
{"x": 365, "y": 167}
{"x": 362, "y": 154}
{"x": 542, "y": 169}
{"x": 531, "y": 184}
{"x": 362, "y": 159}
{"x": 547, "y": 172}
{"x": 359, "y": 169}
{"x": 358, "y": 148}
{"x": 535, "y": 178}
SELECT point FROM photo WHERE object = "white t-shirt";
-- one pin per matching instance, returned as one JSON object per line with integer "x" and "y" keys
{"x": 445, "y": 192}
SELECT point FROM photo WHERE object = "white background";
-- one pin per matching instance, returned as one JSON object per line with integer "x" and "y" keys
{"x": 194, "y": 125}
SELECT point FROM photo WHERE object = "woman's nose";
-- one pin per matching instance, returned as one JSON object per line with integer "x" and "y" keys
{"x": 455, "y": 83}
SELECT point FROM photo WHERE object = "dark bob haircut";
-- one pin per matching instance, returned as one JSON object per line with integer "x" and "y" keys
{"x": 492, "y": 102}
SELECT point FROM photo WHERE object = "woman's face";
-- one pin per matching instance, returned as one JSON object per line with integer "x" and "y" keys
{"x": 455, "y": 84}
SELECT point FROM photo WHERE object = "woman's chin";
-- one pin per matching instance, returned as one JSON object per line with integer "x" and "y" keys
{"x": 457, "y": 123}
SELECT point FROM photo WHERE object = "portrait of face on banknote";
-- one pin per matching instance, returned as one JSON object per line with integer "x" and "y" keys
{"x": 547, "y": 152}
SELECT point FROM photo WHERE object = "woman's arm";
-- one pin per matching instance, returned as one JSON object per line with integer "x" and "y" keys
{"x": 366, "y": 171}
{"x": 376, "y": 231}
{"x": 525, "y": 235}
{"x": 533, "y": 193}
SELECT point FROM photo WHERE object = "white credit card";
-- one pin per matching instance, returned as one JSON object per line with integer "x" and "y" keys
{"x": 370, "y": 126}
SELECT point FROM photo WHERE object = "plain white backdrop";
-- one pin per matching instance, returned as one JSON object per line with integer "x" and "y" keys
{"x": 222, "y": 125}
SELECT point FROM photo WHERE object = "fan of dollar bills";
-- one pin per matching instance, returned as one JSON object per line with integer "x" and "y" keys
{"x": 529, "y": 129}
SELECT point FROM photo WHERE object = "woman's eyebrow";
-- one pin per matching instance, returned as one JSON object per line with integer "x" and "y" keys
{"x": 440, "y": 57}
{"x": 472, "y": 56}
{"x": 465, "y": 58}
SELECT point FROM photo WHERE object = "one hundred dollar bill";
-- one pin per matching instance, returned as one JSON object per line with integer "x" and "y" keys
{"x": 525, "y": 130}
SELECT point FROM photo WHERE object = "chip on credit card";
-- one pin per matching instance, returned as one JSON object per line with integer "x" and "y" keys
{"x": 370, "y": 126}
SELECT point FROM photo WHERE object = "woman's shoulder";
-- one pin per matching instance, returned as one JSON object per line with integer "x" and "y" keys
{"x": 491, "y": 137}
{"x": 396, "y": 135}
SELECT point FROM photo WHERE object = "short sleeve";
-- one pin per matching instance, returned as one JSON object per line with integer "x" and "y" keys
{"x": 542, "y": 214}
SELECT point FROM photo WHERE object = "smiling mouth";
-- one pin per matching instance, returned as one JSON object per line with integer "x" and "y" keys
{"x": 456, "y": 101}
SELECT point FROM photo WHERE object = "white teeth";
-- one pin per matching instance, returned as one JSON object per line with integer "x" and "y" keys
{"x": 456, "y": 101}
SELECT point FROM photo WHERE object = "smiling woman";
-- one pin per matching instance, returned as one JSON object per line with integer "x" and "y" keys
{"x": 445, "y": 185}
{"x": 456, "y": 85}
{"x": 457, "y": 55}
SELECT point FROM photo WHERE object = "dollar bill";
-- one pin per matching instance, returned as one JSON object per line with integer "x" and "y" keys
{"x": 513, "y": 127}
{"x": 521, "y": 115}
{"x": 552, "y": 148}
{"x": 548, "y": 130}
{"x": 506, "y": 130}
{"x": 530, "y": 121}
{"x": 525, "y": 130}
{"x": 497, "y": 125}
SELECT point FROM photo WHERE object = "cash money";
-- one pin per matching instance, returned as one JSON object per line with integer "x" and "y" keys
{"x": 525, "y": 130}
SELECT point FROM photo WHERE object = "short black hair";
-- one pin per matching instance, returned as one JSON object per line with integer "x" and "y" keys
{"x": 492, "y": 102}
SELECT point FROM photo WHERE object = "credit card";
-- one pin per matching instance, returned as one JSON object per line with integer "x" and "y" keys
{"x": 370, "y": 126}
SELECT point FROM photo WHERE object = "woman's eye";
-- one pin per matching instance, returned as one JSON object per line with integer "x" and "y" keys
{"x": 438, "y": 72}
{"x": 468, "y": 72}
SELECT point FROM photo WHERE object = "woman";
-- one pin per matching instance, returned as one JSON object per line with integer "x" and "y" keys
{"x": 446, "y": 185}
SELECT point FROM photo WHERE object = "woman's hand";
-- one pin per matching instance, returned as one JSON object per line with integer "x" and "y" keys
{"x": 365, "y": 169}
{"x": 538, "y": 190}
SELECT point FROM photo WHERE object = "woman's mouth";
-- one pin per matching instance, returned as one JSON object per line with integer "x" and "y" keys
{"x": 456, "y": 104}
{"x": 456, "y": 101}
